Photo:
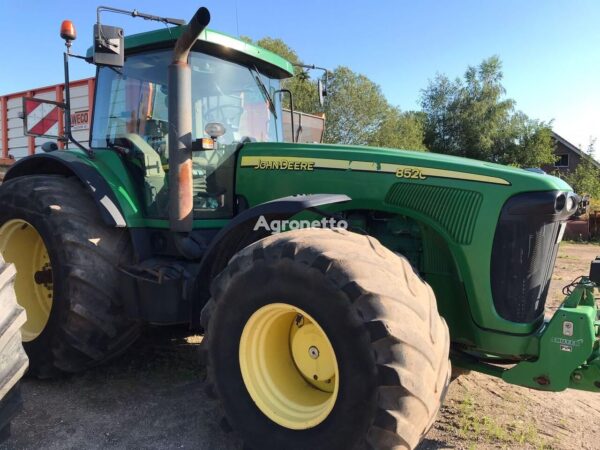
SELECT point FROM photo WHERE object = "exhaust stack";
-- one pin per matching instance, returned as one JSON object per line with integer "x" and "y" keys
{"x": 180, "y": 126}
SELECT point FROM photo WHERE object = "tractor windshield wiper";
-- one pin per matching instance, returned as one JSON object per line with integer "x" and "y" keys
{"x": 264, "y": 90}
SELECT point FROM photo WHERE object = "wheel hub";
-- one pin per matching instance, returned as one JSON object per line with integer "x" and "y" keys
{"x": 43, "y": 276}
{"x": 289, "y": 366}
{"x": 318, "y": 368}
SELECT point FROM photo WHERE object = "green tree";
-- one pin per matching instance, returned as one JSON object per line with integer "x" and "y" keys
{"x": 585, "y": 179}
{"x": 404, "y": 130}
{"x": 356, "y": 112}
{"x": 355, "y": 108}
{"x": 304, "y": 90}
{"x": 528, "y": 143}
{"x": 472, "y": 117}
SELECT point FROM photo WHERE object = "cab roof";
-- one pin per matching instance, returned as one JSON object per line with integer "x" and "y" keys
{"x": 214, "y": 43}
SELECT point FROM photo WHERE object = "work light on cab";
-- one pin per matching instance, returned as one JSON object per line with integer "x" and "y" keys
{"x": 67, "y": 31}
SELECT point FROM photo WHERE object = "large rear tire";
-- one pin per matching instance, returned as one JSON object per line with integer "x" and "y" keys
{"x": 67, "y": 273}
{"x": 325, "y": 339}
{"x": 13, "y": 360}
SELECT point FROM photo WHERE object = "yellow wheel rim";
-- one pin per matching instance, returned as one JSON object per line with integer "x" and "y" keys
{"x": 22, "y": 245}
{"x": 289, "y": 366}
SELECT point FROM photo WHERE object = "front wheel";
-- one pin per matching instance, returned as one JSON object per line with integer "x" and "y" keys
{"x": 324, "y": 339}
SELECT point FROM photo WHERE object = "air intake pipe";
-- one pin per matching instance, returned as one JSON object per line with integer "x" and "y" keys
{"x": 180, "y": 135}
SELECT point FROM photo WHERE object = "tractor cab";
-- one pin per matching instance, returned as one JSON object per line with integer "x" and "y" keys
{"x": 231, "y": 104}
{"x": 234, "y": 100}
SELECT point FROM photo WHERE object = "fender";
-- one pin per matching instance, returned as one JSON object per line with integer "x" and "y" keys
{"x": 239, "y": 233}
{"x": 69, "y": 165}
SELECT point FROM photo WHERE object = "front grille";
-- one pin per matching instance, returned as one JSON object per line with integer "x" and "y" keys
{"x": 524, "y": 252}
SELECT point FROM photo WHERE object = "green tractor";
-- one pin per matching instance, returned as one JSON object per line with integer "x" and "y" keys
{"x": 188, "y": 207}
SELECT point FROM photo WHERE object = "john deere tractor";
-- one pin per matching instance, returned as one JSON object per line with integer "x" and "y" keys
{"x": 328, "y": 337}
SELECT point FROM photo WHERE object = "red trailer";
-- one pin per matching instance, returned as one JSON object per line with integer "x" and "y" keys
{"x": 43, "y": 120}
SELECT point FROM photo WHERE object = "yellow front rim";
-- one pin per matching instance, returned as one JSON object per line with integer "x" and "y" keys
{"x": 289, "y": 366}
{"x": 22, "y": 245}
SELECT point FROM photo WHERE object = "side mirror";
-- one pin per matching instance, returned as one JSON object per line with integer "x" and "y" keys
{"x": 322, "y": 92}
{"x": 109, "y": 49}
{"x": 40, "y": 117}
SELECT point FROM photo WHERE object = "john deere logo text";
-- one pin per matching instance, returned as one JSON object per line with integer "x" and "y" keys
{"x": 284, "y": 165}
{"x": 563, "y": 341}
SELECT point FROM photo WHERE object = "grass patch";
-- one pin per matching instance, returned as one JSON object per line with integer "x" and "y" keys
{"x": 475, "y": 427}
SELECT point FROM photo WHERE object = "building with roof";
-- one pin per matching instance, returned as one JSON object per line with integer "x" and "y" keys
{"x": 568, "y": 156}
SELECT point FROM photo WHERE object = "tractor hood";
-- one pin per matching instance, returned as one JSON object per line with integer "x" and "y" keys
{"x": 423, "y": 167}
{"x": 461, "y": 201}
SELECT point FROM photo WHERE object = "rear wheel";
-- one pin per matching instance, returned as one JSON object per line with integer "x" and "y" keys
{"x": 325, "y": 339}
{"x": 67, "y": 273}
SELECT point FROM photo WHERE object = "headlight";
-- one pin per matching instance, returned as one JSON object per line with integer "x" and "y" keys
{"x": 560, "y": 202}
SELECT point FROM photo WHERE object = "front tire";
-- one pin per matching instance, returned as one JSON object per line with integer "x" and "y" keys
{"x": 67, "y": 273}
{"x": 386, "y": 370}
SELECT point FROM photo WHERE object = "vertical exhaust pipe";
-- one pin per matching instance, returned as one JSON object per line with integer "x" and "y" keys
{"x": 180, "y": 134}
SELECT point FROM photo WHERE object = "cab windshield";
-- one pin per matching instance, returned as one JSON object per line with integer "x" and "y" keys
{"x": 134, "y": 100}
{"x": 131, "y": 117}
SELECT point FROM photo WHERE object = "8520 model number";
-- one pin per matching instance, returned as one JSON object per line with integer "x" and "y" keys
{"x": 410, "y": 172}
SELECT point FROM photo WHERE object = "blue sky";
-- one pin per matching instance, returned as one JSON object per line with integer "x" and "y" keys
{"x": 550, "y": 48}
